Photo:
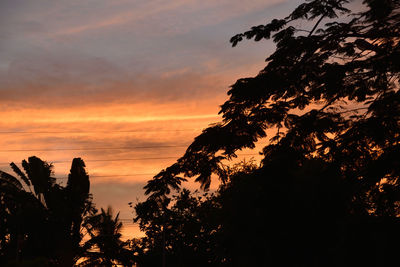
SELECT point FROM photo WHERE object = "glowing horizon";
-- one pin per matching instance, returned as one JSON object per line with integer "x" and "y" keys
{"x": 119, "y": 74}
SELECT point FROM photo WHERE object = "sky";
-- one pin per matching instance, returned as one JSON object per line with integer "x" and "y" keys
{"x": 124, "y": 84}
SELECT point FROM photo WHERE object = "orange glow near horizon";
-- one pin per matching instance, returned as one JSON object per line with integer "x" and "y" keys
{"x": 121, "y": 152}
{"x": 125, "y": 85}
{"x": 120, "y": 155}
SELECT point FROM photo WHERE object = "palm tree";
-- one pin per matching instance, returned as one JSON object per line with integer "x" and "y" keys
{"x": 41, "y": 217}
{"x": 105, "y": 246}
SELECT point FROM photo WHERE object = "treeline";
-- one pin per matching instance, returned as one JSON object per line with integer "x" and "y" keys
{"x": 290, "y": 211}
{"x": 46, "y": 224}
{"x": 326, "y": 193}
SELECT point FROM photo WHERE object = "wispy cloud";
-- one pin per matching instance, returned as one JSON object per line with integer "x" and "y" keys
{"x": 119, "y": 75}
{"x": 169, "y": 15}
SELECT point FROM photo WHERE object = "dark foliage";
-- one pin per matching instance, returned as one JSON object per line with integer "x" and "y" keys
{"x": 182, "y": 235}
{"x": 105, "y": 247}
{"x": 327, "y": 91}
{"x": 327, "y": 192}
{"x": 294, "y": 212}
{"x": 41, "y": 220}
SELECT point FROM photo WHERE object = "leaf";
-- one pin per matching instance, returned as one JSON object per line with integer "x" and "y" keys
{"x": 20, "y": 173}
{"x": 9, "y": 180}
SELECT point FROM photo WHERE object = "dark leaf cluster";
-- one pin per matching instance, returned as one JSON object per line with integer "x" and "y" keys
{"x": 41, "y": 219}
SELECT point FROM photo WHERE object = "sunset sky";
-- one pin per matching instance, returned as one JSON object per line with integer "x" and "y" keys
{"x": 125, "y": 85}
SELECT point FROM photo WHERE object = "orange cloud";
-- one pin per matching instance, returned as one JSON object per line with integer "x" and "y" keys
{"x": 125, "y": 85}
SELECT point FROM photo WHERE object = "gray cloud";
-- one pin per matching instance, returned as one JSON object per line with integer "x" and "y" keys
{"x": 64, "y": 60}
{"x": 101, "y": 51}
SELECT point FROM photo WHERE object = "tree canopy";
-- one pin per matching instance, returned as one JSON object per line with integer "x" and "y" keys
{"x": 326, "y": 90}
{"x": 327, "y": 191}
{"x": 41, "y": 218}
{"x": 105, "y": 247}
{"x": 183, "y": 235}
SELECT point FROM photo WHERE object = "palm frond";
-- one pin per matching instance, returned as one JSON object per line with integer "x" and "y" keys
{"x": 20, "y": 173}
{"x": 9, "y": 180}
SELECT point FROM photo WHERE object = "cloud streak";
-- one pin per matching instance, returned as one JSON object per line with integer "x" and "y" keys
{"x": 173, "y": 16}
{"x": 119, "y": 75}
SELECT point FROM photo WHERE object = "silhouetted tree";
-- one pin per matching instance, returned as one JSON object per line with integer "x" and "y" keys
{"x": 326, "y": 90}
{"x": 40, "y": 217}
{"x": 329, "y": 183}
{"x": 105, "y": 247}
{"x": 182, "y": 232}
